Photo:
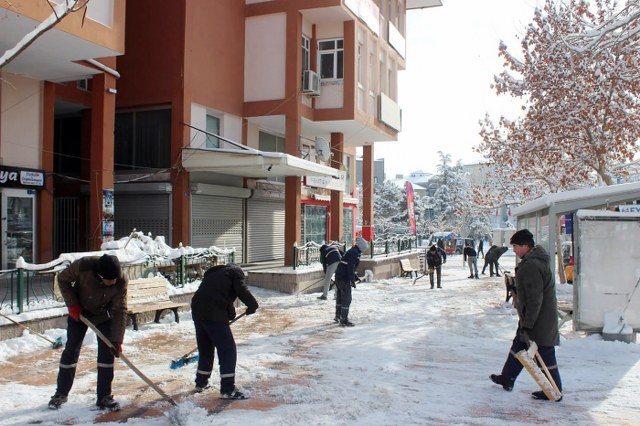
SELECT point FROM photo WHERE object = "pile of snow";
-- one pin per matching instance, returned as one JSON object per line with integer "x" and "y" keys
{"x": 136, "y": 248}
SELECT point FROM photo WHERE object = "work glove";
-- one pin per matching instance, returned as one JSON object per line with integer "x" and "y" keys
{"x": 75, "y": 311}
{"x": 431, "y": 270}
{"x": 525, "y": 335}
{"x": 116, "y": 349}
{"x": 250, "y": 311}
{"x": 353, "y": 284}
{"x": 358, "y": 280}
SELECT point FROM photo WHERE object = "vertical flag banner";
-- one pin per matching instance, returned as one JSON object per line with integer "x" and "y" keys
{"x": 410, "y": 206}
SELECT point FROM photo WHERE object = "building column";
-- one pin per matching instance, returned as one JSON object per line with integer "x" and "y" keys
{"x": 180, "y": 178}
{"x": 367, "y": 192}
{"x": 45, "y": 197}
{"x": 293, "y": 184}
{"x": 102, "y": 147}
{"x": 337, "y": 197}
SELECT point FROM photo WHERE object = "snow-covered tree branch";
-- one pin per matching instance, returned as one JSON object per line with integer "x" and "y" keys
{"x": 580, "y": 112}
{"x": 59, "y": 12}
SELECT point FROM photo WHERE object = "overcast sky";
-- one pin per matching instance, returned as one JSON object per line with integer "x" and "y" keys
{"x": 452, "y": 56}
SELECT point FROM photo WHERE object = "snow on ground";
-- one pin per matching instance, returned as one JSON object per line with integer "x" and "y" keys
{"x": 415, "y": 357}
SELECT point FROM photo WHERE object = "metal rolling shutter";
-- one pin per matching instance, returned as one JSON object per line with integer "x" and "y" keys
{"x": 145, "y": 212}
{"x": 217, "y": 221}
{"x": 265, "y": 230}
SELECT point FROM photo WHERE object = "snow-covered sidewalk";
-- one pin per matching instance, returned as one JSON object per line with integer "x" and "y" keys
{"x": 415, "y": 357}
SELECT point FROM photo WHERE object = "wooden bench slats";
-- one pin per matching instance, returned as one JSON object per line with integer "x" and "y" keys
{"x": 406, "y": 270}
{"x": 148, "y": 295}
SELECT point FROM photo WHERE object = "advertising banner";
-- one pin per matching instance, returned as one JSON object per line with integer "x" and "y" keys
{"x": 410, "y": 206}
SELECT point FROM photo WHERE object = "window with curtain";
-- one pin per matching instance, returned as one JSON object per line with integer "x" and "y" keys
{"x": 142, "y": 140}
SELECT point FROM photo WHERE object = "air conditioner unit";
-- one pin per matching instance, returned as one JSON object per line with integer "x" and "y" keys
{"x": 310, "y": 83}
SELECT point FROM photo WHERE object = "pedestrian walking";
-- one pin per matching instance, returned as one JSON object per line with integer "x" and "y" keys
{"x": 212, "y": 307}
{"x": 436, "y": 257}
{"x": 537, "y": 308}
{"x": 471, "y": 257}
{"x": 346, "y": 278}
{"x": 480, "y": 248}
{"x": 96, "y": 288}
{"x": 330, "y": 258}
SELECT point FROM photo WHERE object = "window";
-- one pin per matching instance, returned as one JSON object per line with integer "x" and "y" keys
{"x": 270, "y": 143}
{"x": 331, "y": 58}
{"x": 142, "y": 140}
{"x": 306, "y": 53}
{"x": 347, "y": 172}
{"x": 314, "y": 223}
{"x": 213, "y": 127}
{"x": 347, "y": 226}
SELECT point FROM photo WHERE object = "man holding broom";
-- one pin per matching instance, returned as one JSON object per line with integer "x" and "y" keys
{"x": 212, "y": 309}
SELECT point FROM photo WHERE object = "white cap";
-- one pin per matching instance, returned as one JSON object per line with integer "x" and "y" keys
{"x": 362, "y": 244}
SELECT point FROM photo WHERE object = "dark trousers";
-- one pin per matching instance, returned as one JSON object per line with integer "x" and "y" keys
{"x": 492, "y": 265}
{"x": 512, "y": 367}
{"x": 343, "y": 299}
{"x": 212, "y": 335}
{"x": 438, "y": 272}
{"x": 76, "y": 331}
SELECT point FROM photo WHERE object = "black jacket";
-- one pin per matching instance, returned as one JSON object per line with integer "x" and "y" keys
{"x": 469, "y": 251}
{"x": 329, "y": 255}
{"x": 436, "y": 259}
{"x": 346, "y": 271}
{"x": 218, "y": 291}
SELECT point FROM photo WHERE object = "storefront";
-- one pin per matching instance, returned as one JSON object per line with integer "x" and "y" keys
{"x": 19, "y": 188}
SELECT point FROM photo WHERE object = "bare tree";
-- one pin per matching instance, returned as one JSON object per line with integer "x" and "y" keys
{"x": 59, "y": 12}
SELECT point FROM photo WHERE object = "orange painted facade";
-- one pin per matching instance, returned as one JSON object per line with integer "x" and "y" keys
{"x": 196, "y": 59}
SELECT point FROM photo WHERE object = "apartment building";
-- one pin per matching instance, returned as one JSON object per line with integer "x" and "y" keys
{"x": 226, "y": 123}
{"x": 69, "y": 69}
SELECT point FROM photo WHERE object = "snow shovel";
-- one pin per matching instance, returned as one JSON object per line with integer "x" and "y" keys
{"x": 539, "y": 371}
{"x": 127, "y": 362}
{"x": 188, "y": 358}
{"x": 56, "y": 343}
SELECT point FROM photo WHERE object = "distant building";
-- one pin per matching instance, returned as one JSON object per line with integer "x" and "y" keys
{"x": 378, "y": 171}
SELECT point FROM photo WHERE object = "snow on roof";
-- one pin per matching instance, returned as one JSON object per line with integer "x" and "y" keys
{"x": 582, "y": 198}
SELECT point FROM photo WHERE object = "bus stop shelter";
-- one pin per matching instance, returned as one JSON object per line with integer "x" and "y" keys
{"x": 543, "y": 216}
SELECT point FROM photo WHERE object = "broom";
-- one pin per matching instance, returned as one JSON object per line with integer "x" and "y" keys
{"x": 188, "y": 358}
{"x": 56, "y": 344}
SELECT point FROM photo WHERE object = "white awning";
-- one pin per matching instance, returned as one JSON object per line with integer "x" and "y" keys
{"x": 251, "y": 163}
{"x": 420, "y": 4}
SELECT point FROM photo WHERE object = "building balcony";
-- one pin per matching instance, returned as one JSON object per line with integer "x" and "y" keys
{"x": 58, "y": 54}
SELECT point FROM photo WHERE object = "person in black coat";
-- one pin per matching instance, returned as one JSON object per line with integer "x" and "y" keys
{"x": 436, "y": 257}
{"x": 471, "y": 257}
{"x": 212, "y": 307}
{"x": 346, "y": 278}
{"x": 537, "y": 308}
{"x": 481, "y": 248}
{"x": 330, "y": 257}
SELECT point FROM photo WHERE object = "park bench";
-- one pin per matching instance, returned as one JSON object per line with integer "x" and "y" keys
{"x": 149, "y": 295}
{"x": 406, "y": 270}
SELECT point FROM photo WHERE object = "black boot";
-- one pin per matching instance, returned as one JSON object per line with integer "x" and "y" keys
{"x": 506, "y": 383}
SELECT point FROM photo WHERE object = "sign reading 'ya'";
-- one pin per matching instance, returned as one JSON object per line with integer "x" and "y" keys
{"x": 15, "y": 177}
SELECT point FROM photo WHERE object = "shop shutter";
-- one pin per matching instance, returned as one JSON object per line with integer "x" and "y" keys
{"x": 265, "y": 230}
{"x": 145, "y": 212}
{"x": 217, "y": 221}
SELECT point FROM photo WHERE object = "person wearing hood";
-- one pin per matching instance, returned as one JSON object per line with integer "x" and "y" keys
{"x": 96, "y": 288}
{"x": 537, "y": 308}
{"x": 346, "y": 278}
